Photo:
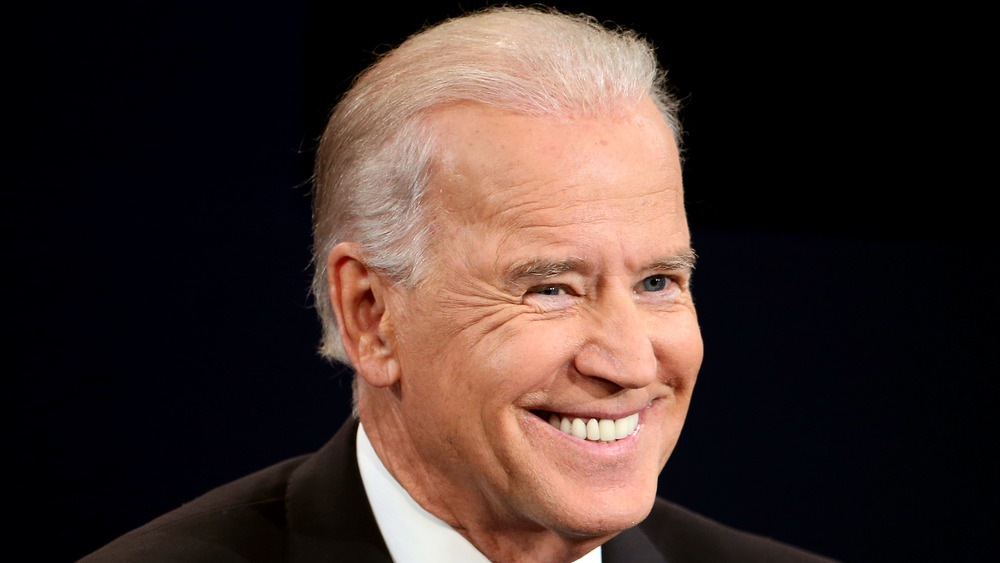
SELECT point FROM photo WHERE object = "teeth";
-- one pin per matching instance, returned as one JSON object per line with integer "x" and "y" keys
{"x": 596, "y": 430}
{"x": 607, "y": 432}
{"x": 624, "y": 426}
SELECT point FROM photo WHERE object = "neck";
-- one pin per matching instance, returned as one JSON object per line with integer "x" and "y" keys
{"x": 485, "y": 522}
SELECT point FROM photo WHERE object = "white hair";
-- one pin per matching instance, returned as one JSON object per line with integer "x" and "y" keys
{"x": 375, "y": 156}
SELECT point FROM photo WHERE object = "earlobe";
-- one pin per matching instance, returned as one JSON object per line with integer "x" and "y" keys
{"x": 358, "y": 295}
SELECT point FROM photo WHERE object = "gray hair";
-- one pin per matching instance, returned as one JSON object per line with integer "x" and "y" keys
{"x": 375, "y": 156}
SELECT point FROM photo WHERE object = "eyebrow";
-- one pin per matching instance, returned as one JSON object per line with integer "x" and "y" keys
{"x": 683, "y": 260}
{"x": 540, "y": 269}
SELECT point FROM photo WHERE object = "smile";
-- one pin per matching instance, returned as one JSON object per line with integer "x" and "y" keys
{"x": 595, "y": 429}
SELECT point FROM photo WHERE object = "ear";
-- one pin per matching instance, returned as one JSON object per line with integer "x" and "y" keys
{"x": 358, "y": 295}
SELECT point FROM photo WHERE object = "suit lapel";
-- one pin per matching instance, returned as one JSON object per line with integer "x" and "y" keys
{"x": 631, "y": 546}
{"x": 329, "y": 518}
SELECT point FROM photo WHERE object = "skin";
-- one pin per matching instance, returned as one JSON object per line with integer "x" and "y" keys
{"x": 557, "y": 282}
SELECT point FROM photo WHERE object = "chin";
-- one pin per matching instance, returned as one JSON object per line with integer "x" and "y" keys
{"x": 591, "y": 517}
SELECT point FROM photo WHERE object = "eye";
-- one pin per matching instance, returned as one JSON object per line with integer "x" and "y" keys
{"x": 658, "y": 282}
{"x": 550, "y": 297}
{"x": 549, "y": 290}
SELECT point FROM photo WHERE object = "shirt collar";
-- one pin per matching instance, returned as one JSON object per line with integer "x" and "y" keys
{"x": 412, "y": 534}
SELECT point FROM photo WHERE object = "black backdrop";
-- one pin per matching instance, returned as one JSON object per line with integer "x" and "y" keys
{"x": 160, "y": 339}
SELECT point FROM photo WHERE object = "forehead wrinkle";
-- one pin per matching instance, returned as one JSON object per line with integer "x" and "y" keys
{"x": 556, "y": 211}
{"x": 508, "y": 193}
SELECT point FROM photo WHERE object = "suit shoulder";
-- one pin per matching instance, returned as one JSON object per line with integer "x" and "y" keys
{"x": 683, "y": 535}
{"x": 240, "y": 521}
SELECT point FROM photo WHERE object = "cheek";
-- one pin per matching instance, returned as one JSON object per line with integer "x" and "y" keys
{"x": 680, "y": 351}
{"x": 530, "y": 354}
{"x": 692, "y": 348}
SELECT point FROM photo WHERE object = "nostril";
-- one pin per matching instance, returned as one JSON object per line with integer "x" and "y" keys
{"x": 619, "y": 363}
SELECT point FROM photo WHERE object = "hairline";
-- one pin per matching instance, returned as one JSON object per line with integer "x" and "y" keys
{"x": 407, "y": 266}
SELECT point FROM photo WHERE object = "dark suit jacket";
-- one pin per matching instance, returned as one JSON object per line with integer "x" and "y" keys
{"x": 314, "y": 508}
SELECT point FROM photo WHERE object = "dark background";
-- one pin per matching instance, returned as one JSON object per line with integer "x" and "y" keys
{"x": 160, "y": 339}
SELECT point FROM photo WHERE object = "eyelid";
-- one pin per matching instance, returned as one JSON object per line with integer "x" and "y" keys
{"x": 681, "y": 277}
{"x": 538, "y": 289}
{"x": 677, "y": 279}
{"x": 558, "y": 301}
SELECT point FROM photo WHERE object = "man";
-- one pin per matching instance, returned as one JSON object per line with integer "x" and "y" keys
{"x": 502, "y": 255}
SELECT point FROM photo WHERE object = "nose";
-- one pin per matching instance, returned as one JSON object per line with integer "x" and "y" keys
{"x": 618, "y": 347}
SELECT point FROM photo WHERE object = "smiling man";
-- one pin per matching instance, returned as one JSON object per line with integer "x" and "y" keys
{"x": 503, "y": 257}
{"x": 529, "y": 384}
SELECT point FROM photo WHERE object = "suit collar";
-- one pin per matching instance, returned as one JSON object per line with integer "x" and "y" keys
{"x": 327, "y": 509}
{"x": 328, "y": 512}
{"x": 631, "y": 546}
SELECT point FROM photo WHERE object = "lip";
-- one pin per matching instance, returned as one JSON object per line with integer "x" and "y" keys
{"x": 616, "y": 451}
{"x": 587, "y": 414}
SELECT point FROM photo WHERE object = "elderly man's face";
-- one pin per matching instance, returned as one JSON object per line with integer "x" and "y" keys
{"x": 557, "y": 289}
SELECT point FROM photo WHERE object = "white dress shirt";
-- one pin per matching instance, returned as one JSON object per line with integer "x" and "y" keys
{"x": 412, "y": 534}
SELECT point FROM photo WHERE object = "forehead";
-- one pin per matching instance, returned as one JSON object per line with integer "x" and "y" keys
{"x": 495, "y": 166}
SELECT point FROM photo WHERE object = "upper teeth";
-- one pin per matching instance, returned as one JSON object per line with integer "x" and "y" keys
{"x": 596, "y": 429}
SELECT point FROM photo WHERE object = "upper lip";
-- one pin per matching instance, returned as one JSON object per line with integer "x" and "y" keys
{"x": 614, "y": 407}
{"x": 587, "y": 413}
